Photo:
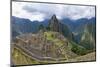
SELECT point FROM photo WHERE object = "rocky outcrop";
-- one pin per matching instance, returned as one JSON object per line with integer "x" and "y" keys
{"x": 57, "y": 26}
{"x": 88, "y": 37}
{"x": 54, "y": 24}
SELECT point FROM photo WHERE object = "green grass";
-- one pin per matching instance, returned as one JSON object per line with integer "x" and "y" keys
{"x": 79, "y": 50}
{"x": 59, "y": 42}
{"x": 51, "y": 36}
{"x": 20, "y": 59}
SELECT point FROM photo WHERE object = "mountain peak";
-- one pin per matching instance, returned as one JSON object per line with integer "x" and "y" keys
{"x": 54, "y": 23}
{"x": 54, "y": 17}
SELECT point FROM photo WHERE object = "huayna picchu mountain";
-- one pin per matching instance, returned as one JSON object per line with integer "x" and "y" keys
{"x": 58, "y": 26}
{"x": 54, "y": 24}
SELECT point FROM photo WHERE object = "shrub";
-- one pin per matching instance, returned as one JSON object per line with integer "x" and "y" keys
{"x": 78, "y": 50}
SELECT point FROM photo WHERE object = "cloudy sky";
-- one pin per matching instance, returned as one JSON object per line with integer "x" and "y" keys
{"x": 42, "y": 11}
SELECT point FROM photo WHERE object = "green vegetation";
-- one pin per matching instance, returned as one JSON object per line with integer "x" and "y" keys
{"x": 79, "y": 50}
{"x": 51, "y": 37}
{"x": 59, "y": 42}
{"x": 88, "y": 37}
{"x": 20, "y": 59}
{"x": 41, "y": 27}
{"x": 87, "y": 45}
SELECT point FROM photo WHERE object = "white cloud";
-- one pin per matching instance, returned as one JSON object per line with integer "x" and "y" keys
{"x": 40, "y": 11}
{"x": 17, "y": 10}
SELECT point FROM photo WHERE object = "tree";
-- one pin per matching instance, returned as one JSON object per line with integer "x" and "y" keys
{"x": 48, "y": 28}
{"x": 79, "y": 50}
{"x": 41, "y": 27}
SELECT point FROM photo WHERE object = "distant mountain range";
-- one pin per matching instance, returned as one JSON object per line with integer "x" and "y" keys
{"x": 72, "y": 24}
{"x": 21, "y": 26}
{"x": 72, "y": 29}
{"x": 75, "y": 25}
